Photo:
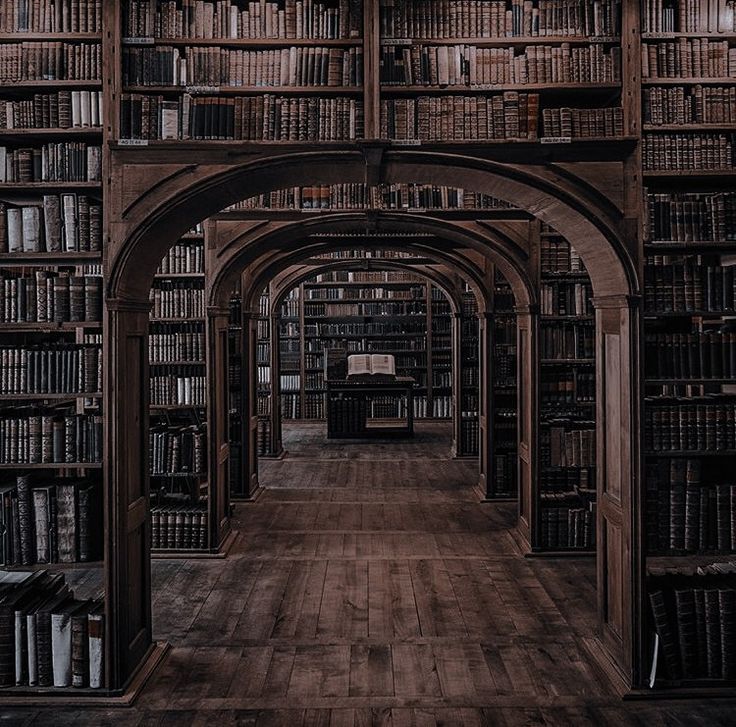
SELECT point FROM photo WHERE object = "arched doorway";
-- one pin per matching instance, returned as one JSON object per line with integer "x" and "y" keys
{"x": 147, "y": 225}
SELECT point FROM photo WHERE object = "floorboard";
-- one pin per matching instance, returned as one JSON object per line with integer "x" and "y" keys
{"x": 370, "y": 587}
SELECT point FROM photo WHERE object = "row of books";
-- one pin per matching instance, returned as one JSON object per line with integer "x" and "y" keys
{"x": 469, "y": 443}
{"x": 688, "y": 16}
{"x": 414, "y": 293}
{"x": 50, "y": 297}
{"x": 264, "y": 117}
{"x": 568, "y": 527}
{"x": 49, "y": 521}
{"x": 689, "y": 285}
{"x": 691, "y": 216}
{"x": 60, "y": 110}
{"x": 499, "y": 18}
{"x": 469, "y": 65}
{"x": 686, "y": 515}
{"x": 692, "y": 426}
{"x": 695, "y": 620}
{"x": 581, "y": 123}
{"x": 290, "y": 382}
{"x": 177, "y": 345}
{"x": 62, "y": 223}
{"x": 314, "y": 406}
{"x": 566, "y": 479}
{"x": 688, "y": 58}
{"x": 213, "y": 66}
{"x": 65, "y": 161}
{"x": 567, "y": 341}
{"x": 570, "y": 447}
{"x": 569, "y": 387}
{"x": 346, "y": 415}
{"x": 663, "y": 152}
{"x": 291, "y": 406}
{"x": 50, "y": 61}
{"x": 52, "y": 437}
{"x": 48, "y": 637}
{"x": 182, "y": 527}
{"x": 256, "y": 20}
{"x": 557, "y": 256}
{"x": 176, "y": 299}
{"x": 56, "y": 368}
{"x": 566, "y": 299}
{"x": 367, "y": 276}
{"x": 263, "y": 434}
{"x": 511, "y": 115}
{"x": 51, "y": 16}
{"x": 406, "y": 327}
{"x": 700, "y": 355}
{"x": 179, "y": 389}
{"x": 177, "y": 449}
{"x": 504, "y": 473}
{"x": 689, "y": 105}
{"x": 183, "y": 258}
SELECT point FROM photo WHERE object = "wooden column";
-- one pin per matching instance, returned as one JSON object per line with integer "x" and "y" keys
{"x": 250, "y": 403}
{"x": 485, "y": 394}
{"x": 619, "y": 549}
{"x": 528, "y": 407}
{"x": 274, "y": 323}
{"x": 127, "y": 536}
{"x": 218, "y": 425}
{"x": 457, "y": 389}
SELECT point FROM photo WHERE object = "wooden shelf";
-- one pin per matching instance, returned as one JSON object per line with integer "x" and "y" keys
{"x": 56, "y": 83}
{"x": 49, "y": 258}
{"x": 39, "y": 397}
{"x": 48, "y": 186}
{"x": 684, "y": 128}
{"x": 243, "y": 42}
{"x": 52, "y": 466}
{"x": 30, "y": 35}
{"x": 692, "y": 81}
{"x": 203, "y": 90}
{"x": 67, "y": 326}
{"x": 53, "y": 133}
{"x": 604, "y": 87}
{"x": 503, "y": 42}
{"x": 199, "y": 362}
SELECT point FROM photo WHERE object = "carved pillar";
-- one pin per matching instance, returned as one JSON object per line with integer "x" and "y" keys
{"x": 127, "y": 534}
{"x": 485, "y": 409}
{"x": 528, "y": 407}
{"x": 619, "y": 548}
{"x": 277, "y": 446}
{"x": 218, "y": 424}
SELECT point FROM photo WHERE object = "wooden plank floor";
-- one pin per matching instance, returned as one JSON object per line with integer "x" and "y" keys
{"x": 369, "y": 587}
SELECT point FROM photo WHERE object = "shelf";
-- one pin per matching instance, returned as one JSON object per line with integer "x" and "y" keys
{"x": 49, "y": 258}
{"x": 210, "y": 90}
{"x": 693, "y": 246}
{"x": 46, "y": 186}
{"x": 605, "y": 86}
{"x": 675, "y": 381}
{"x": 243, "y": 42}
{"x": 52, "y": 133}
{"x": 177, "y": 363}
{"x": 684, "y": 128}
{"x": 52, "y": 466}
{"x": 678, "y": 34}
{"x": 54, "y": 84}
{"x": 176, "y": 407}
{"x": 568, "y": 362}
{"x": 692, "y": 453}
{"x": 26, "y": 35}
{"x": 688, "y": 561}
{"x": 692, "y": 81}
{"x": 76, "y": 565}
{"x": 655, "y": 315}
{"x": 186, "y": 276}
{"x": 67, "y": 326}
{"x": 36, "y": 397}
{"x": 502, "y": 42}
{"x": 177, "y": 320}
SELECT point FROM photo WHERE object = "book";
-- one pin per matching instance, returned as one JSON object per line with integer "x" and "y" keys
{"x": 371, "y": 365}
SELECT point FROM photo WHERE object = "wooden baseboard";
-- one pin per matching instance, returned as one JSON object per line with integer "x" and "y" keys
{"x": 275, "y": 456}
{"x": 483, "y": 496}
{"x": 560, "y": 554}
{"x": 605, "y": 666}
{"x": 221, "y": 552}
{"x": 251, "y": 498}
{"x": 519, "y": 542}
{"x": 70, "y": 697}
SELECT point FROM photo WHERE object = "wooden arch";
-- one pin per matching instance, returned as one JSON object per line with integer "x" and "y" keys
{"x": 157, "y": 197}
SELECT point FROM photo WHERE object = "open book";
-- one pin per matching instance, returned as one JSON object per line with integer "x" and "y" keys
{"x": 371, "y": 364}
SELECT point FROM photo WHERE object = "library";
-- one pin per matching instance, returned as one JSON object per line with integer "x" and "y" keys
{"x": 368, "y": 362}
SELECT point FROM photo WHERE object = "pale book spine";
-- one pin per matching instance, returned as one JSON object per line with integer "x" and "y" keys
{"x": 32, "y": 652}
{"x": 61, "y": 648}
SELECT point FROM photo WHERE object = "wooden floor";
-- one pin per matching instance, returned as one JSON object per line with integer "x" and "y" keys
{"x": 369, "y": 587}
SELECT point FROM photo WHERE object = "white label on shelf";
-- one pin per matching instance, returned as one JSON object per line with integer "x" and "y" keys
{"x": 555, "y": 140}
{"x": 133, "y": 142}
{"x": 407, "y": 142}
{"x": 397, "y": 41}
{"x": 202, "y": 89}
{"x": 138, "y": 41}
{"x": 658, "y": 35}
{"x": 604, "y": 39}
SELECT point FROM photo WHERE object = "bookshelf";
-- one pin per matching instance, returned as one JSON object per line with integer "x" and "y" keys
{"x": 689, "y": 502}
{"x": 182, "y": 520}
{"x": 566, "y": 489}
{"x": 51, "y": 288}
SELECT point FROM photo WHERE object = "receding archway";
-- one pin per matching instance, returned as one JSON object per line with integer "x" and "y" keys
{"x": 144, "y": 227}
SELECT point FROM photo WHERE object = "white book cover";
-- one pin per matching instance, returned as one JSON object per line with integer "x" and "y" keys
{"x": 15, "y": 229}
{"x": 31, "y": 229}
{"x": 32, "y": 652}
{"x": 61, "y": 647}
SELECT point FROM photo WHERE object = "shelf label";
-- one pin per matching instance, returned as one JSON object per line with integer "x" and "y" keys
{"x": 201, "y": 89}
{"x": 397, "y": 41}
{"x": 555, "y": 140}
{"x": 655, "y": 36}
{"x": 133, "y": 142}
{"x": 604, "y": 39}
{"x": 407, "y": 142}
{"x": 138, "y": 41}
